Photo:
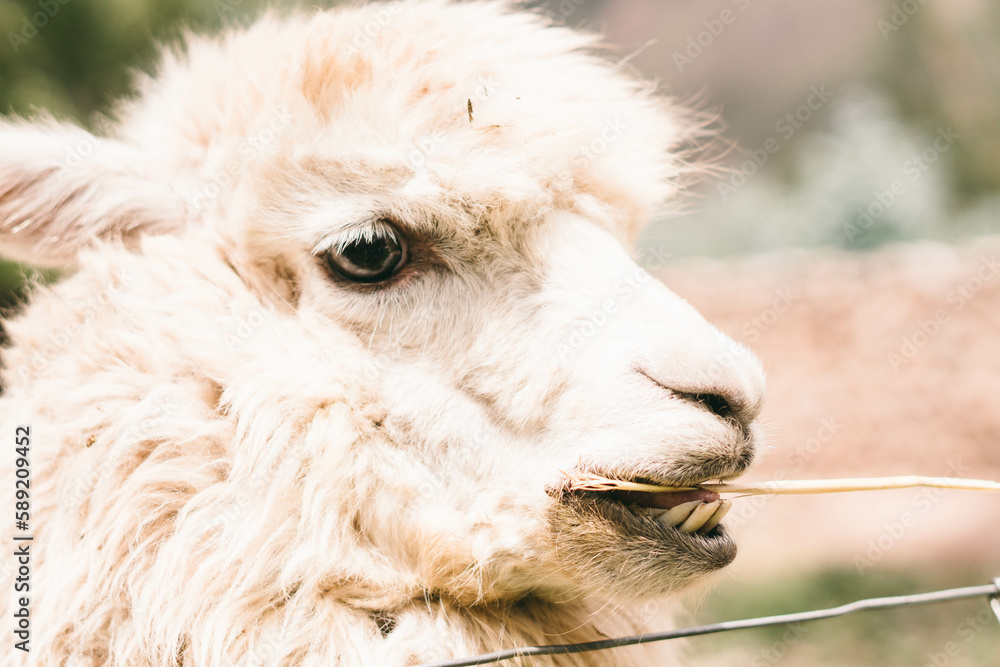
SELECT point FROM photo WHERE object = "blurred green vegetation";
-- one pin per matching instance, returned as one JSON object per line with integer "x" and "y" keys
{"x": 943, "y": 69}
{"x": 940, "y": 68}
{"x": 13, "y": 280}
{"x": 73, "y": 58}
{"x": 75, "y": 62}
{"x": 904, "y": 637}
{"x": 80, "y": 61}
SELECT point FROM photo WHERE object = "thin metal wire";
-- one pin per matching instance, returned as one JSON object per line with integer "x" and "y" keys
{"x": 995, "y": 600}
{"x": 992, "y": 591}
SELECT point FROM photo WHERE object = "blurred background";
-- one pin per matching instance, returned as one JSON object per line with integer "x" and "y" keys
{"x": 846, "y": 237}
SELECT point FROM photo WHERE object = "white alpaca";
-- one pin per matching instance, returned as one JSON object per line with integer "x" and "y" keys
{"x": 351, "y": 293}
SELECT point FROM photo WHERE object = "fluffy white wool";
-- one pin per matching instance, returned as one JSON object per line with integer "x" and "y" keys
{"x": 238, "y": 459}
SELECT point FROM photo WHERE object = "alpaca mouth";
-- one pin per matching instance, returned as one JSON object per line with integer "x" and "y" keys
{"x": 697, "y": 512}
{"x": 665, "y": 540}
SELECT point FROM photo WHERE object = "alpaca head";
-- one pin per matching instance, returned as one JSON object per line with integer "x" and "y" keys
{"x": 431, "y": 206}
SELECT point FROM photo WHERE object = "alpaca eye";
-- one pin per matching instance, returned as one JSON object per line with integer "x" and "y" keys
{"x": 372, "y": 259}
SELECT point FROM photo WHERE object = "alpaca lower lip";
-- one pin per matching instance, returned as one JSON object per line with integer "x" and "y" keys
{"x": 624, "y": 542}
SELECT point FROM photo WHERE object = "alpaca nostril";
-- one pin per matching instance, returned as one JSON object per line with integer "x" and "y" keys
{"x": 716, "y": 403}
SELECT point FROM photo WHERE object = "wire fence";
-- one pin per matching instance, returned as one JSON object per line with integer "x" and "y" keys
{"x": 990, "y": 591}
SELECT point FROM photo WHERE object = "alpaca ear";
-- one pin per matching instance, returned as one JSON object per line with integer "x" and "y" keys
{"x": 61, "y": 188}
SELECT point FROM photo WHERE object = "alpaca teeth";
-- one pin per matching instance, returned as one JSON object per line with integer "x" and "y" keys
{"x": 717, "y": 517}
{"x": 677, "y": 515}
{"x": 699, "y": 516}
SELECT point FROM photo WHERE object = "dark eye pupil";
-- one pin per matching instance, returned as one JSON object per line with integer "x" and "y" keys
{"x": 369, "y": 260}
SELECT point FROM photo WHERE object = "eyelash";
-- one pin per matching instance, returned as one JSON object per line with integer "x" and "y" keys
{"x": 368, "y": 254}
{"x": 363, "y": 232}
